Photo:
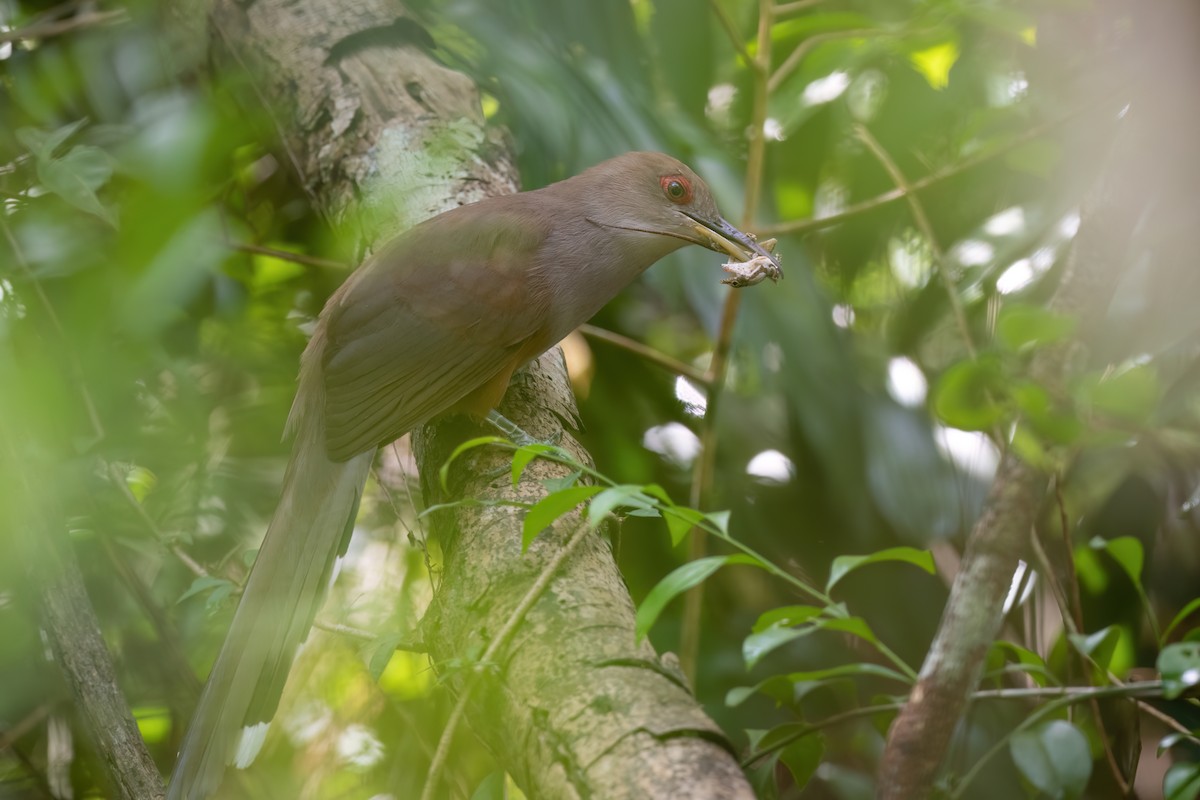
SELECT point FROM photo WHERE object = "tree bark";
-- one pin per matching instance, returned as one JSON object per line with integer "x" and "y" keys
{"x": 383, "y": 136}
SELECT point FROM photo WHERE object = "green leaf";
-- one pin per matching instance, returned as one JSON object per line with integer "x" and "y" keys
{"x": 720, "y": 519}
{"x": 1020, "y": 326}
{"x": 679, "y": 581}
{"x": 526, "y": 454}
{"x": 76, "y": 176}
{"x": 1179, "y": 666}
{"x": 550, "y": 508}
{"x": 1179, "y": 619}
{"x": 1126, "y": 551}
{"x": 935, "y": 62}
{"x": 1130, "y": 395}
{"x": 850, "y": 670}
{"x": 616, "y": 497}
{"x": 382, "y": 650}
{"x": 855, "y": 626}
{"x": 1098, "y": 646}
{"x": 757, "y": 645}
{"x": 43, "y": 144}
{"x": 1182, "y": 782}
{"x": 470, "y": 444}
{"x": 786, "y": 615}
{"x": 680, "y": 521}
{"x": 802, "y": 757}
{"x": 1027, "y": 661}
{"x": 1054, "y": 757}
{"x": 205, "y": 583}
{"x": 490, "y": 788}
{"x": 843, "y": 565}
{"x": 967, "y": 395}
{"x": 566, "y": 481}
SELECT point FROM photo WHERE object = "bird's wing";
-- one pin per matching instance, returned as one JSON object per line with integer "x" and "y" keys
{"x": 432, "y": 318}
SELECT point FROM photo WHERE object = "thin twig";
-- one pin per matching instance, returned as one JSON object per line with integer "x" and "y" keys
{"x": 499, "y": 641}
{"x": 358, "y": 634}
{"x": 734, "y": 38}
{"x": 702, "y": 476}
{"x": 46, "y": 30}
{"x": 10, "y": 735}
{"x": 804, "y": 48}
{"x": 118, "y": 480}
{"x": 933, "y": 178}
{"x": 648, "y": 353}
{"x": 784, "y": 9}
{"x": 926, "y": 228}
{"x": 284, "y": 255}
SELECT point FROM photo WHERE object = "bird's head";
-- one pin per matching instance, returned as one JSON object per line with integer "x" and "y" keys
{"x": 655, "y": 194}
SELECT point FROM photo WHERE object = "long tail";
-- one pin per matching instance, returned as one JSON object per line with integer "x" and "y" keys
{"x": 310, "y": 530}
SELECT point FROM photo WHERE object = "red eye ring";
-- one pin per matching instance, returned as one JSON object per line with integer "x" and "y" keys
{"x": 677, "y": 188}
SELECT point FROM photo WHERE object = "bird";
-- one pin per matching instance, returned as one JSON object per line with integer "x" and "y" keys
{"x": 434, "y": 323}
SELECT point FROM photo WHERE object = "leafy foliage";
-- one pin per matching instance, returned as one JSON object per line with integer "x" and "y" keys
{"x": 161, "y": 266}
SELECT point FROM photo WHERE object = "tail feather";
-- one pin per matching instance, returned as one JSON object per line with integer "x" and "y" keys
{"x": 310, "y": 530}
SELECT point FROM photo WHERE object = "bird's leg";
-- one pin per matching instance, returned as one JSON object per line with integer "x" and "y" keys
{"x": 510, "y": 429}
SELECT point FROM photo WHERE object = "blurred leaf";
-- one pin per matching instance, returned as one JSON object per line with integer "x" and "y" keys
{"x": 967, "y": 395}
{"x": 1021, "y": 326}
{"x": 207, "y": 583}
{"x": 1179, "y": 665}
{"x": 43, "y": 144}
{"x": 381, "y": 653}
{"x": 1098, "y": 646}
{"x": 550, "y": 508}
{"x": 844, "y": 565}
{"x": 526, "y": 454}
{"x": 154, "y": 723}
{"x": 76, "y": 176}
{"x": 1181, "y": 617}
{"x": 802, "y": 757}
{"x": 470, "y": 444}
{"x": 934, "y": 63}
{"x": 1127, "y": 552}
{"x": 1131, "y": 394}
{"x": 557, "y": 484}
{"x": 1182, "y": 782}
{"x": 1054, "y": 757}
{"x": 1027, "y": 661}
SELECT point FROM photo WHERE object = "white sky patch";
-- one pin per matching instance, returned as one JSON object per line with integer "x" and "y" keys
{"x": 1068, "y": 226}
{"x": 906, "y": 383}
{"x": 357, "y": 745}
{"x": 695, "y": 402}
{"x": 773, "y": 130}
{"x": 1018, "y": 275}
{"x": 674, "y": 441}
{"x": 867, "y": 93}
{"x": 910, "y": 259}
{"x": 772, "y": 468}
{"x": 843, "y": 315}
{"x": 720, "y": 99}
{"x": 1006, "y": 223}
{"x": 824, "y": 90}
{"x": 1043, "y": 259}
{"x": 1006, "y": 90}
{"x": 970, "y": 451}
{"x": 830, "y": 198}
{"x": 973, "y": 252}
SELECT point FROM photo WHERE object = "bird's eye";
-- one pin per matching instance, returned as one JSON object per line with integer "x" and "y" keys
{"x": 676, "y": 188}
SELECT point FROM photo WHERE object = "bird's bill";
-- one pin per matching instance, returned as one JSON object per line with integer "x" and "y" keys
{"x": 717, "y": 234}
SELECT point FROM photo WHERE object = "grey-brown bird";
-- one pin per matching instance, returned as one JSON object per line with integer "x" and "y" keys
{"x": 434, "y": 323}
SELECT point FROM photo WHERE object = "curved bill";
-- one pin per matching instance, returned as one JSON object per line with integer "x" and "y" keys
{"x": 717, "y": 234}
